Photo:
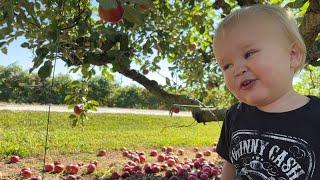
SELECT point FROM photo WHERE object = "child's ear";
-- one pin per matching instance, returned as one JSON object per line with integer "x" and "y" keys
{"x": 295, "y": 56}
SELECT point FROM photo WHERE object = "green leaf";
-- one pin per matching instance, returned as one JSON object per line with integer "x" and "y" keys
{"x": 37, "y": 61}
{"x": 108, "y": 4}
{"x": 168, "y": 82}
{"x": 296, "y": 4}
{"x": 143, "y": 2}
{"x": 132, "y": 15}
{"x": 2, "y": 43}
{"x": 42, "y": 52}
{"x": 45, "y": 70}
{"x": 93, "y": 103}
{"x": 25, "y": 45}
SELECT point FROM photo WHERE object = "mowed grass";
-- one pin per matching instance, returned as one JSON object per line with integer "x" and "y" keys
{"x": 23, "y": 133}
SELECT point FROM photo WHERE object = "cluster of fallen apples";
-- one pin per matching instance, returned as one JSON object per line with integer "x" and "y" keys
{"x": 167, "y": 165}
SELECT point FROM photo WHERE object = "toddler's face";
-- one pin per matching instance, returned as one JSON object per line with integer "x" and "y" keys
{"x": 255, "y": 58}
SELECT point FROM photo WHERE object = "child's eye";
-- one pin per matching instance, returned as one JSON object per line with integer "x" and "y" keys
{"x": 225, "y": 67}
{"x": 249, "y": 53}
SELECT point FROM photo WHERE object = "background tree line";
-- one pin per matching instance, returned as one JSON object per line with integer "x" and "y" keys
{"x": 18, "y": 86}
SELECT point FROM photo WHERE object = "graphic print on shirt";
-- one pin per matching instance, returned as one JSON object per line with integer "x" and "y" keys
{"x": 269, "y": 156}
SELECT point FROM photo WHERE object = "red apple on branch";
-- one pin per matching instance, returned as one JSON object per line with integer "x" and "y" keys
{"x": 210, "y": 85}
{"x": 78, "y": 109}
{"x": 192, "y": 47}
{"x": 145, "y": 71}
{"x": 112, "y": 15}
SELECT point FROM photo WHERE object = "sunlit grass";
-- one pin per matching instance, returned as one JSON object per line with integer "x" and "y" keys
{"x": 23, "y": 133}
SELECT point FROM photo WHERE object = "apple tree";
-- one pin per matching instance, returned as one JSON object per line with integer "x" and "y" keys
{"x": 117, "y": 34}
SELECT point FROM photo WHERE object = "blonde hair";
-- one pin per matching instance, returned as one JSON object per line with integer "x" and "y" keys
{"x": 284, "y": 17}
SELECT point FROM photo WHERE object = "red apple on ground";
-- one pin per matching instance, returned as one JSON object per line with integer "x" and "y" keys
{"x": 161, "y": 157}
{"x": 111, "y": 15}
{"x": 204, "y": 176}
{"x": 207, "y": 153}
{"x": 91, "y": 168}
{"x": 142, "y": 158}
{"x": 195, "y": 149}
{"x": 78, "y": 109}
{"x": 49, "y": 168}
{"x": 36, "y": 178}
{"x": 163, "y": 149}
{"x": 154, "y": 153}
{"x": 102, "y": 152}
{"x": 95, "y": 162}
{"x": 147, "y": 168}
{"x": 58, "y": 168}
{"x": 171, "y": 162}
{"x": 155, "y": 168}
{"x": 199, "y": 155}
{"x": 71, "y": 177}
{"x": 26, "y": 173}
{"x": 14, "y": 159}
{"x": 169, "y": 149}
{"x": 72, "y": 169}
{"x": 115, "y": 175}
{"x": 180, "y": 152}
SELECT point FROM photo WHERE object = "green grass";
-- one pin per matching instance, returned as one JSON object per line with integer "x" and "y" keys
{"x": 23, "y": 133}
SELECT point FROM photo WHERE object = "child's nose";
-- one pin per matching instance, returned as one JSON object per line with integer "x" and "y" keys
{"x": 240, "y": 68}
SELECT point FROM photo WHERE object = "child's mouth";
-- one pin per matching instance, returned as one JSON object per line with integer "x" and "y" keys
{"x": 247, "y": 84}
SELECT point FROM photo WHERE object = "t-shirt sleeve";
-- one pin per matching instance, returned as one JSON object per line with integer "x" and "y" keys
{"x": 223, "y": 146}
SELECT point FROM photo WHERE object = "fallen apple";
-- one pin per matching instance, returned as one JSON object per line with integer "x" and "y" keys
{"x": 161, "y": 157}
{"x": 154, "y": 153}
{"x": 14, "y": 159}
{"x": 26, "y": 173}
{"x": 115, "y": 175}
{"x": 102, "y": 152}
{"x": 91, "y": 168}
{"x": 36, "y": 178}
{"x": 142, "y": 158}
{"x": 48, "y": 168}
{"x": 72, "y": 169}
{"x": 71, "y": 177}
{"x": 58, "y": 168}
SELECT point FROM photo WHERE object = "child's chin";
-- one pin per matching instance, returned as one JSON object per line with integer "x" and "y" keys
{"x": 254, "y": 100}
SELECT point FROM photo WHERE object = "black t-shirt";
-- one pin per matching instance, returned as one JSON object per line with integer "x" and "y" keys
{"x": 272, "y": 146}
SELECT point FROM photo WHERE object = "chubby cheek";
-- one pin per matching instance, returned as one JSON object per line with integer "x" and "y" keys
{"x": 230, "y": 83}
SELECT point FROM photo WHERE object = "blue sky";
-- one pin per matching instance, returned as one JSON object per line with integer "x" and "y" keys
{"x": 23, "y": 57}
